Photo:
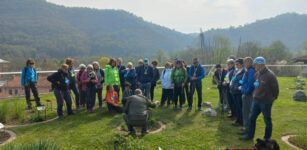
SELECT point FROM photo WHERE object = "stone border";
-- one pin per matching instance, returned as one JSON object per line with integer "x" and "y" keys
{"x": 12, "y": 137}
{"x": 162, "y": 126}
{"x": 286, "y": 140}
{"x": 30, "y": 124}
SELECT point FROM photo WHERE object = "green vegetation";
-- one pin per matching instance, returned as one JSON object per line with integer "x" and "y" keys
{"x": 40, "y": 145}
{"x": 13, "y": 112}
{"x": 184, "y": 130}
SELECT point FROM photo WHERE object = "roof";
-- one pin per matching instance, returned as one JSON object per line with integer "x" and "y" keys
{"x": 300, "y": 59}
{"x": 3, "y": 61}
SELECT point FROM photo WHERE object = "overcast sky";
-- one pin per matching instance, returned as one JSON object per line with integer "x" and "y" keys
{"x": 191, "y": 15}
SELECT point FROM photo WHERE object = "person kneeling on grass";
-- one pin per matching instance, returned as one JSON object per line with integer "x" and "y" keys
{"x": 136, "y": 112}
{"x": 112, "y": 100}
{"x": 60, "y": 85}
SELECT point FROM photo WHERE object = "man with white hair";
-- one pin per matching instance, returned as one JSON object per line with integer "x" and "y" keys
{"x": 266, "y": 91}
{"x": 136, "y": 111}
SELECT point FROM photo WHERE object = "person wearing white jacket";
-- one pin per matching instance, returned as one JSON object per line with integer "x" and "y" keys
{"x": 167, "y": 86}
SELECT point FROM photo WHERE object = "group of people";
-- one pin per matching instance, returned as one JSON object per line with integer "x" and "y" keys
{"x": 249, "y": 88}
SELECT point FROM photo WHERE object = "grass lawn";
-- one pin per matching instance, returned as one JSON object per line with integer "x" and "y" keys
{"x": 184, "y": 130}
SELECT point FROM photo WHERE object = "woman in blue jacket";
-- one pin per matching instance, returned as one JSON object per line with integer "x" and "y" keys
{"x": 28, "y": 81}
{"x": 130, "y": 76}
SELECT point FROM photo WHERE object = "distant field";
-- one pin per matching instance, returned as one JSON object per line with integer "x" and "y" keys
{"x": 184, "y": 130}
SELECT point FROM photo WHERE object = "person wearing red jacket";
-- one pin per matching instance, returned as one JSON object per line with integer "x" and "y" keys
{"x": 112, "y": 100}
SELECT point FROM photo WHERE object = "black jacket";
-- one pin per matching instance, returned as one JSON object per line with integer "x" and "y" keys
{"x": 121, "y": 71}
{"x": 156, "y": 76}
{"x": 58, "y": 80}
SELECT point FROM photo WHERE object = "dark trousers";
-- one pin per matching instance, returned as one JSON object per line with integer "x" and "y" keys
{"x": 99, "y": 94}
{"x": 198, "y": 86}
{"x": 187, "y": 92}
{"x": 60, "y": 97}
{"x": 230, "y": 102}
{"x": 237, "y": 98}
{"x": 264, "y": 107}
{"x": 131, "y": 126}
{"x": 145, "y": 87}
{"x": 74, "y": 89}
{"x": 221, "y": 95}
{"x": 152, "y": 91}
{"x": 117, "y": 109}
{"x": 178, "y": 92}
{"x": 167, "y": 95}
{"x": 28, "y": 88}
{"x": 82, "y": 97}
{"x": 90, "y": 97}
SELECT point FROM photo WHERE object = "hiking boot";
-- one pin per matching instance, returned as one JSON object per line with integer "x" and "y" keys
{"x": 189, "y": 109}
{"x": 199, "y": 109}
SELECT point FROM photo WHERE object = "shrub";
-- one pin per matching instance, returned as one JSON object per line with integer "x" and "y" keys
{"x": 127, "y": 143}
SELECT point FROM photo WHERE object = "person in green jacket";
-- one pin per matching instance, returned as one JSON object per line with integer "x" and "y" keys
{"x": 112, "y": 75}
{"x": 179, "y": 78}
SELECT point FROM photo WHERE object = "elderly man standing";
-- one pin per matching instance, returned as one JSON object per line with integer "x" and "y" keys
{"x": 136, "y": 112}
{"x": 247, "y": 89}
{"x": 266, "y": 91}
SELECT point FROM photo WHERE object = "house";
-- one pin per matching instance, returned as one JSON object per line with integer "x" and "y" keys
{"x": 302, "y": 59}
{"x": 12, "y": 88}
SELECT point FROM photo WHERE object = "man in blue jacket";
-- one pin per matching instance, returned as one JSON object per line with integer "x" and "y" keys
{"x": 196, "y": 74}
{"x": 247, "y": 89}
{"x": 144, "y": 77}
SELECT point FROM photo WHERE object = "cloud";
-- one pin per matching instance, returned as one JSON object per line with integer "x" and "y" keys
{"x": 191, "y": 15}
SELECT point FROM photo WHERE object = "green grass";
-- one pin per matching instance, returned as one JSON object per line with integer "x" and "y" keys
{"x": 184, "y": 130}
{"x": 300, "y": 140}
{"x": 12, "y": 111}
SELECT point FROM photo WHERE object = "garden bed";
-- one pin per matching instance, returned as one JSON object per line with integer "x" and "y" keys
{"x": 153, "y": 127}
{"x": 6, "y": 136}
{"x": 299, "y": 141}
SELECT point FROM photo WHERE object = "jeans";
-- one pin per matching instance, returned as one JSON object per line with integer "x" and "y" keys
{"x": 246, "y": 107}
{"x": 198, "y": 86}
{"x": 230, "y": 102}
{"x": 178, "y": 92}
{"x": 60, "y": 95}
{"x": 73, "y": 87}
{"x": 31, "y": 86}
{"x": 167, "y": 95}
{"x": 145, "y": 87}
{"x": 90, "y": 97}
{"x": 99, "y": 94}
{"x": 264, "y": 107}
{"x": 237, "y": 99}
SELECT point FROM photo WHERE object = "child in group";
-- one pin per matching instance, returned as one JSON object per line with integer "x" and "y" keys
{"x": 127, "y": 93}
{"x": 112, "y": 100}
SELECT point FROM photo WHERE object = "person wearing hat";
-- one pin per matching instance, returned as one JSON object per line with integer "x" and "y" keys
{"x": 89, "y": 80}
{"x": 179, "y": 77}
{"x": 144, "y": 77}
{"x": 219, "y": 76}
{"x": 99, "y": 86}
{"x": 29, "y": 81}
{"x": 227, "y": 79}
{"x": 82, "y": 68}
{"x": 60, "y": 85}
{"x": 196, "y": 74}
{"x": 235, "y": 91}
{"x": 72, "y": 80}
{"x": 130, "y": 76}
{"x": 247, "y": 88}
{"x": 266, "y": 91}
